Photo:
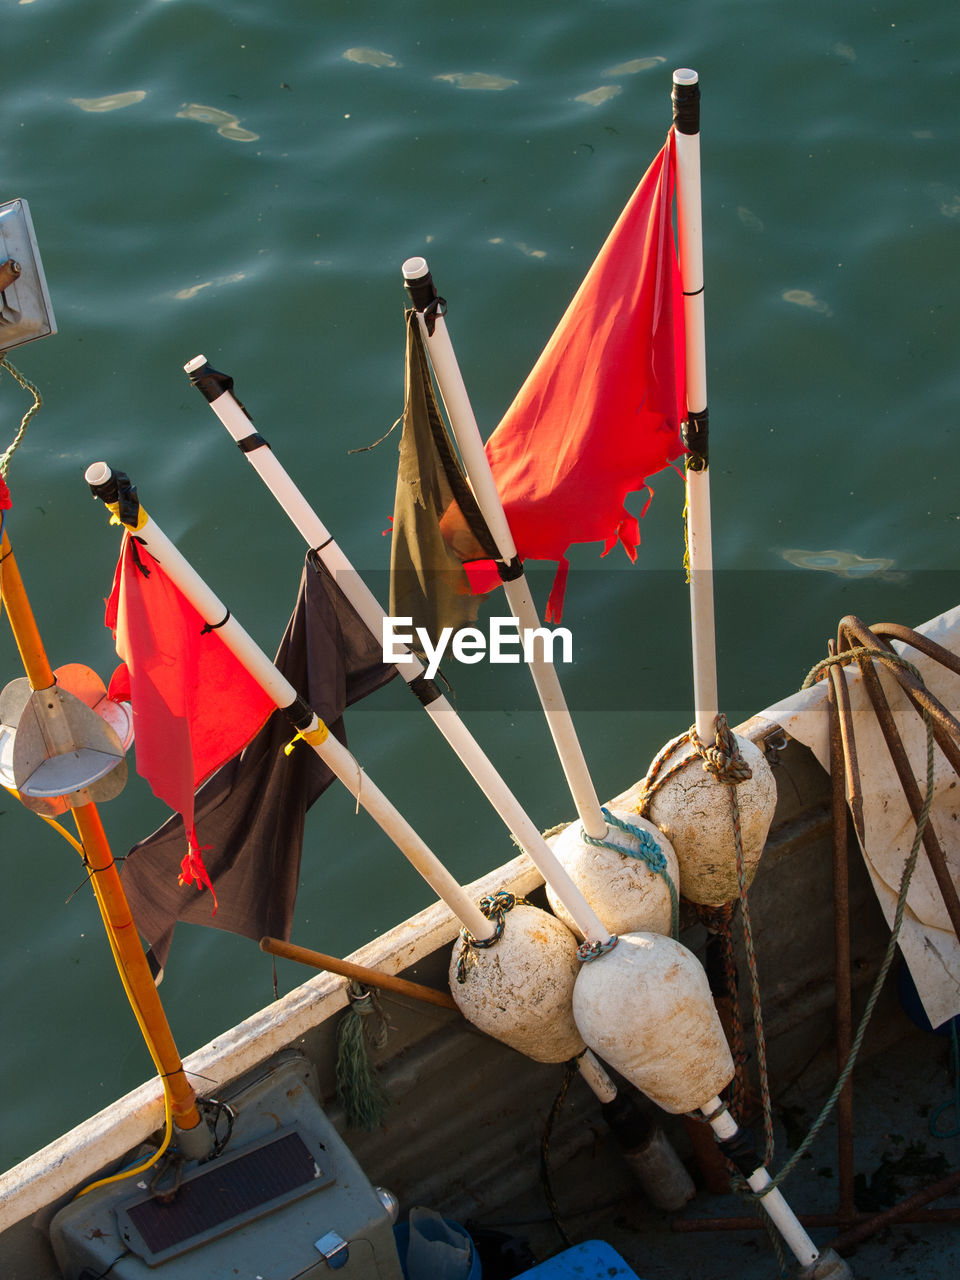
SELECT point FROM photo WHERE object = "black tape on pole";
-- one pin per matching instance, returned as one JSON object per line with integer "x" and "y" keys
{"x": 686, "y": 107}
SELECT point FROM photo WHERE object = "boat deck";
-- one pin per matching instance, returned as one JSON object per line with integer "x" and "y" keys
{"x": 895, "y": 1156}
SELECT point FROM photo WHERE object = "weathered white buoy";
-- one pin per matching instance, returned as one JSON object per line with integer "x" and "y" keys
{"x": 520, "y": 989}
{"x": 692, "y": 809}
{"x": 645, "y": 1008}
{"x": 624, "y": 890}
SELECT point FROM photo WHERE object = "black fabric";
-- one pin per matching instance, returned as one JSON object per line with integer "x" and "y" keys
{"x": 251, "y": 812}
{"x": 437, "y": 525}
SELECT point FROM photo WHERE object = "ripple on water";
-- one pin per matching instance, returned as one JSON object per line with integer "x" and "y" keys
{"x": 228, "y": 125}
{"x": 845, "y": 564}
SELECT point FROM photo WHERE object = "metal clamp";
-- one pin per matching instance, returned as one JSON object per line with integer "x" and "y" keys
{"x": 335, "y": 1250}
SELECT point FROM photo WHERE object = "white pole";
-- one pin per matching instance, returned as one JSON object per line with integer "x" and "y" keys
{"x": 331, "y": 751}
{"x": 467, "y": 435}
{"x": 216, "y": 389}
{"x": 780, "y": 1213}
{"x": 285, "y": 696}
{"x": 686, "y": 97}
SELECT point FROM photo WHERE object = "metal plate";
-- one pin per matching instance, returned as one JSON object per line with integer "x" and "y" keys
{"x": 26, "y": 312}
{"x": 223, "y": 1194}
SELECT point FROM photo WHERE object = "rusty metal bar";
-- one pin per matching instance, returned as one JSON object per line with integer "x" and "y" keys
{"x": 841, "y": 937}
{"x": 911, "y": 791}
{"x": 946, "y": 728}
{"x": 900, "y": 1215}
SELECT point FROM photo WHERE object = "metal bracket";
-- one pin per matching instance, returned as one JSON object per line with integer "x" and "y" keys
{"x": 335, "y": 1250}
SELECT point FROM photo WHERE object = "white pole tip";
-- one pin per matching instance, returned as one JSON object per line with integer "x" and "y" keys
{"x": 196, "y": 363}
{"x": 683, "y": 75}
{"x": 97, "y": 473}
{"x": 414, "y": 268}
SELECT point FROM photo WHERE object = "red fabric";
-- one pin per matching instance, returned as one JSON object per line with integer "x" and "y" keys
{"x": 5, "y": 500}
{"x": 602, "y": 407}
{"x": 194, "y": 705}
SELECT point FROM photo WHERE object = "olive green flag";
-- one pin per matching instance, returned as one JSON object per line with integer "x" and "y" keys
{"x": 437, "y": 525}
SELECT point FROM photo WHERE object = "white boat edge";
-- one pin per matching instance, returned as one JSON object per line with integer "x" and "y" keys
{"x": 43, "y": 1179}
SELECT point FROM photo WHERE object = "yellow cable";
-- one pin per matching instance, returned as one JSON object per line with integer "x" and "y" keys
{"x": 148, "y": 1040}
{"x": 137, "y": 1013}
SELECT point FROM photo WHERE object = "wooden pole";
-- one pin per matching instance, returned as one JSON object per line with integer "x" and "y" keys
{"x": 358, "y": 972}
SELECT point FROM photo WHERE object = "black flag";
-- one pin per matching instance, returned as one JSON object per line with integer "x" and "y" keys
{"x": 437, "y": 525}
{"x": 252, "y": 811}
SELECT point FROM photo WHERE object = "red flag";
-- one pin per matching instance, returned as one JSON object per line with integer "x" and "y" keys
{"x": 602, "y": 407}
{"x": 194, "y": 705}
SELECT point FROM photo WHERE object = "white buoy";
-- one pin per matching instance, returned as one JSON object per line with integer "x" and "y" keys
{"x": 645, "y": 1008}
{"x": 520, "y": 990}
{"x": 692, "y": 808}
{"x": 624, "y": 890}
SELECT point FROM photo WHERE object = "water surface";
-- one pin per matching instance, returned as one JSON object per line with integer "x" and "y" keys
{"x": 245, "y": 179}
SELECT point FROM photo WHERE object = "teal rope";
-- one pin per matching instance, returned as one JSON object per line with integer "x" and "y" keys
{"x": 588, "y": 951}
{"x": 649, "y": 853}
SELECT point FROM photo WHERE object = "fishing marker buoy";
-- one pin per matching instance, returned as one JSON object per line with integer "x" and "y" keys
{"x": 693, "y": 810}
{"x": 629, "y": 890}
{"x": 645, "y": 1009}
{"x": 519, "y": 990}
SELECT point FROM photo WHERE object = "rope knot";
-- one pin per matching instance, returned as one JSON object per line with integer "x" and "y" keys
{"x": 716, "y": 919}
{"x": 495, "y": 907}
{"x": 723, "y": 759}
{"x": 588, "y": 951}
{"x": 649, "y": 853}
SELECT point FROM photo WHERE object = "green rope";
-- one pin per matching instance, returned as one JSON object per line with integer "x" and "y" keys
{"x": 27, "y": 385}
{"x": 569, "y": 1070}
{"x": 649, "y": 853}
{"x": 360, "y": 1091}
{"x": 892, "y": 659}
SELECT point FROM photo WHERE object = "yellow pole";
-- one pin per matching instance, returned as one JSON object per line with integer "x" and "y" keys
{"x": 110, "y": 893}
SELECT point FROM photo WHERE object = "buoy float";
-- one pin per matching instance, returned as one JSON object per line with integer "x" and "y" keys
{"x": 520, "y": 990}
{"x": 629, "y": 891}
{"x": 645, "y": 1008}
{"x": 692, "y": 808}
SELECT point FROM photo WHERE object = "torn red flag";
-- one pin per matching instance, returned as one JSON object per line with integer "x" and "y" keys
{"x": 602, "y": 407}
{"x": 194, "y": 705}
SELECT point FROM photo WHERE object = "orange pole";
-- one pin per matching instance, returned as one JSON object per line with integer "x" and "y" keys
{"x": 110, "y": 893}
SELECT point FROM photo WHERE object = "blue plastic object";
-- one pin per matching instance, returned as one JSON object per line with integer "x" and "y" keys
{"x": 591, "y": 1260}
{"x": 401, "y": 1233}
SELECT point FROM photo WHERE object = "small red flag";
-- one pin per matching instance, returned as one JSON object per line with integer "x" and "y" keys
{"x": 602, "y": 407}
{"x": 194, "y": 705}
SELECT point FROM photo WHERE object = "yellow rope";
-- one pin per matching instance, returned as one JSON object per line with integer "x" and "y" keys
{"x": 137, "y": 1013}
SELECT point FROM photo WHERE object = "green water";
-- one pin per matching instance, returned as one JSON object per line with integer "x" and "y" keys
{"x": 230, "y": 178}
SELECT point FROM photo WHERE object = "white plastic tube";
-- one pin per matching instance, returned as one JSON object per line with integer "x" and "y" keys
{"x": 699, "y": 535}
{"x": 781, "y": 1215}
{"x": 283, "y": 694}
{"x": 463, "y": 424}
{"x": 440, "y": 711}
